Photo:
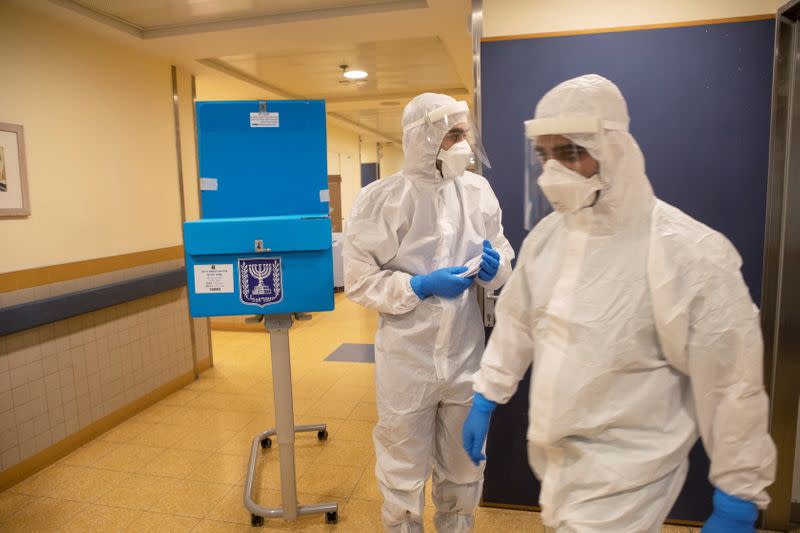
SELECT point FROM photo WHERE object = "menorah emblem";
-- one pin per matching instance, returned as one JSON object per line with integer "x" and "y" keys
{"x": 260, "y": 272}
{"x": 261, "y": 281}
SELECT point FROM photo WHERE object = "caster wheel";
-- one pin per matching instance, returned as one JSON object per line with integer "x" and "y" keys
{"x": 322, "y": 435}
{"x": 332, "y": 517}
{"x": 266, "y": 444}
{"x": 256, "y": 521}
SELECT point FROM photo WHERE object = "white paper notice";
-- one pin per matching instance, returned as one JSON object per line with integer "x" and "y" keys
{"x": 209, "y": 184}
{"x": 325, "y": 195}
{"x": 209, "y": 279}
{"x": 265, "y": 120}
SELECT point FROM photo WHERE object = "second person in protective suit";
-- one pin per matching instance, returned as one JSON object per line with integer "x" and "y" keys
{"x": 641, "y": 332}
{"x": 416, "y": 244}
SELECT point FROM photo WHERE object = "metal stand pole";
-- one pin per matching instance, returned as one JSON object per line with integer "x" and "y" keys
{"x": 278, "y": 328}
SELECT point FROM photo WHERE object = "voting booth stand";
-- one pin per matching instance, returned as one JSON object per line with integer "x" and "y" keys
{"x": 263, "y": 247}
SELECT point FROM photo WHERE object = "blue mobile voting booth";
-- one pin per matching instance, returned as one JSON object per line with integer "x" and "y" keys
{"x": 264, "y": 247}
{"x": 264, "y": 243}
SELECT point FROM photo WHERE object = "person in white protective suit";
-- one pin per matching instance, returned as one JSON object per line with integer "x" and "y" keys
{"x": 641, "y": 332}
{"x": 408, "y": 238}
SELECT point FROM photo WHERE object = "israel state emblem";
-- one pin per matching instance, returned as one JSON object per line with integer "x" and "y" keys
{"x": 261, "y": 281}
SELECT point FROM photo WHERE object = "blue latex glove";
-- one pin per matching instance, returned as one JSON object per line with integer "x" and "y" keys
{"x": 731, "y": 515}
{"x": 490, "y": 263}
{"x": 476, "y": 427}
{"x": 444, "y": 282}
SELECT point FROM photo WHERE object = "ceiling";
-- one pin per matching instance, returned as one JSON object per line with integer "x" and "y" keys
{"x": 377, "y": 119}
{"x": 159, "y": 14}
{"x": 409, "y": 65}
{"x": 294, "y": 48}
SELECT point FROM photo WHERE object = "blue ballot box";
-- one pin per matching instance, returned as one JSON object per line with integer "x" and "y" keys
{"x": 264, "y": 247}
{"x": 264, "y": 243}
{"x": 259, "y": 265}
{"x": 262, "y": 158}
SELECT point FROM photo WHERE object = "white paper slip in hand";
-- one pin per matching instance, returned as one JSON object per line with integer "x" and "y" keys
{"x": 473, "y": 267}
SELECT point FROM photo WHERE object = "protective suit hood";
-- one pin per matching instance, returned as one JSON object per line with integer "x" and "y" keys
{"x": 627, "y": 195}
{"x": 421, "y": 142}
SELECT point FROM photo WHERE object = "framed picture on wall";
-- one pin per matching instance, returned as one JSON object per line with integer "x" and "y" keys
{"x": 13, "y": 175}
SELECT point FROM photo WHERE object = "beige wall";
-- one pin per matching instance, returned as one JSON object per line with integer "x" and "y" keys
{"x": 369, "y": 151}
{"x": 218, "y": 86}
{"x": 516, "y": 17}
{"x": 344, "y": 159}
{"x": 102, "y": 168}
{"x": 100, "y": 144}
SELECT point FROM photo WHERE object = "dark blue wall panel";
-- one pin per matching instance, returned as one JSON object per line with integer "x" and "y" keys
{"x": 699, "y": 99}
{"x": 32, "y": 314}
{"x": 369, "y": 173}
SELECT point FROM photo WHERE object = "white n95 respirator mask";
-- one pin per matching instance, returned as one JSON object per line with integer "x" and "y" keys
{"x": 567, "y": 190}
{"x": 456, "y": 159}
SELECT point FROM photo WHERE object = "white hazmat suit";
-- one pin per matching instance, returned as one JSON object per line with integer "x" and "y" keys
{"x": 642, "y": 334}
{"x": 426, "y": 351}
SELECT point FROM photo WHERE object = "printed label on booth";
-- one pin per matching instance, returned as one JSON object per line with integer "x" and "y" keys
{"x": 211, "y": 279}
{"x": 265, "y": 120}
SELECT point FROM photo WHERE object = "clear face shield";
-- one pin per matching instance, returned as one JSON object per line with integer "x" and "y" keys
{"x": 561, "y": 165}
{"x": 454, "y": 137}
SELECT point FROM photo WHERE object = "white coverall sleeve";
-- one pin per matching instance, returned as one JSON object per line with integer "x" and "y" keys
{"x": 493, "y": 221}
{"x": 725, "y": 365}
{"x": 510, "y": 350}
{"x": 371, "y": 242}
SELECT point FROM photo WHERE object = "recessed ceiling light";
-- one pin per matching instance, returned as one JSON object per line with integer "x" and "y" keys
{"x": 355, "y": 74}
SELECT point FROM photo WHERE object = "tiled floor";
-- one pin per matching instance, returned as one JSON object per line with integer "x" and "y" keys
{"x": 179, "y": 465}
